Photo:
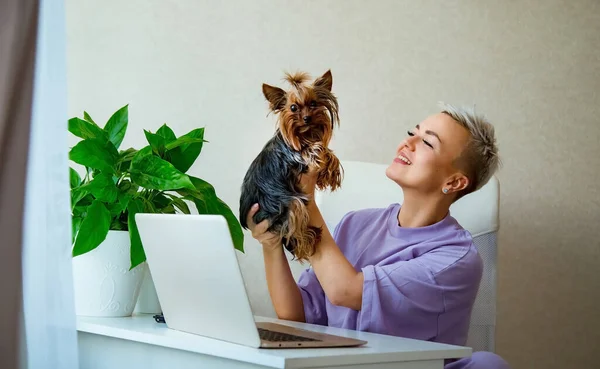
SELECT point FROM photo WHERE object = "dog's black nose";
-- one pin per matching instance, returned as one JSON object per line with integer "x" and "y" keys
{"x": 307, "y": 119}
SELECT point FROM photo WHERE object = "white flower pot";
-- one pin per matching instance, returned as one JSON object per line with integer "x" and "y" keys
{"x": 103, "y": 284}
{"x": 147, "y": 302}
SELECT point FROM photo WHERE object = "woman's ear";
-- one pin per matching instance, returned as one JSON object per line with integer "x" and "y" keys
{"x": 456, "y": 183}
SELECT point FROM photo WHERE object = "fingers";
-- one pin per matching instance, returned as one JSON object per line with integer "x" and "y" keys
{"x": 250, "y": 216}
{"x": 268, "y": 238}
{"x": 264, "y": 237}
{"x": 259, "y": 231}
{"x": 261, "y": 227}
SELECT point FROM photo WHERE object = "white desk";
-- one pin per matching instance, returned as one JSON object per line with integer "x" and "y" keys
{"x": 139, "y": 342}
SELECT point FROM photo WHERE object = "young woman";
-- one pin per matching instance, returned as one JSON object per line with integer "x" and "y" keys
{"x": 409, "y": 269}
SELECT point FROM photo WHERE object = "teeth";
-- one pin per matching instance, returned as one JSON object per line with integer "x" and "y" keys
{"x": 404, "y": 159}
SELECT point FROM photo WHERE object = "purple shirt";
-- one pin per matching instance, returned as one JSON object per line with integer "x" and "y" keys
{"x": 418, "y": 282}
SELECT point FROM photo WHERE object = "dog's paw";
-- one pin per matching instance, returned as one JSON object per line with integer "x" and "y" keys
{"x": 331, "y": 175}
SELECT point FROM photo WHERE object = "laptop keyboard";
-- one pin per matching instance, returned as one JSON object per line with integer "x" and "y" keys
{"x": 273, "y": 336}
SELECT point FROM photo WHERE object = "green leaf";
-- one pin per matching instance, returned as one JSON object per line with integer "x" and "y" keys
{"x": 145, "y": 151}
{"x": 127, "y": 191}
{"x": 237, "y": 235}
{"x": 196, "y": 197}
{"x": 185, "y": 154}
{"x": 119, "y": 206}
{"x": 76, "y": 224}
{"x": 117, "y": 126}
{"x": 77, "y": 194}
{"x": 154, "y": 173}
{"x": 74, "y": 178}
{"x": 85, "y": 129}
{"x": 125, "y": 158}
{"x": 88, "y": 171}
{"x": 103, "y": 187}
{"x": 93, "y": 229}
{"x": 178, "y": 203}
{"x": 160, "y": 204}
{"x": 137, "y": 255}
{"x": 87, "y": 117}
{"x": 125, "y": 186}
{"x": 117, "y": 225}
{"x": 95, "y": 154}
{"x": 184, "y": 142}
{"x": 80, "y": 207}
{"x": 124, "y": 199}
{"x": 160, "y": 201}
{"x": 150, "y": 207}
{"x": 214, "y": 205}
{"x": 201, "y": 206}
{"x": 167, "y": 133}
{"x": 156, "y": 141}
{"x": 127, "y": 154}
{"x": 204, "y": 187}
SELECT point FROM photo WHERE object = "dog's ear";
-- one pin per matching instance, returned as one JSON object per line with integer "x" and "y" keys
{"x": 275, "y": 96}
{"x": 325, "y": 81}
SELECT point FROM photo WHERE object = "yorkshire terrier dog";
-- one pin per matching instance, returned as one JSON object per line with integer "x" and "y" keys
{"x": 306, "y": 117}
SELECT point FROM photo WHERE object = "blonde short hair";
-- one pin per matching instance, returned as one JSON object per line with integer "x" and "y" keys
{"x": 480, "y": 158}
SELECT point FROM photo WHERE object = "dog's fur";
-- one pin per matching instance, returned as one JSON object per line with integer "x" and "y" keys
{"x": 307, "y": 115}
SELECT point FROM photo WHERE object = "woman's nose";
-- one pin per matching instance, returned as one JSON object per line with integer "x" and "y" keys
{"x": 409, "y": 143}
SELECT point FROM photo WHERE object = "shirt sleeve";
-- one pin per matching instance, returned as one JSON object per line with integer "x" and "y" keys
{"x": 400, "y": 299}
{"x": 313, "y": 298}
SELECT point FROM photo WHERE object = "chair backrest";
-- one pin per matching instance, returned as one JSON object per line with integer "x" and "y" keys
{"x": 365, "y": 185}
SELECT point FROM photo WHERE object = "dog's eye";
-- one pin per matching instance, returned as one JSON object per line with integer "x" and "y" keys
{"x": 313, "y": 104}
{"x": 294, "y": 108}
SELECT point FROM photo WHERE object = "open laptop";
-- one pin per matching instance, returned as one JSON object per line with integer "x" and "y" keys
{"x": 201, "y": 289}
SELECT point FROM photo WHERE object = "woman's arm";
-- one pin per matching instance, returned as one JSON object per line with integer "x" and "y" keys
{"x": 342, "y": 284}
{"x": 284, "y": 292}
{"x": 285, "y": 295}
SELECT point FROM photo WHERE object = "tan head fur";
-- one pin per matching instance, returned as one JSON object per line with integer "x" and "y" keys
{"x": 307, "y": 112}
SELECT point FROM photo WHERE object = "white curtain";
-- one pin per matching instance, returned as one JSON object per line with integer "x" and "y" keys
{"x": 49, "y": 313}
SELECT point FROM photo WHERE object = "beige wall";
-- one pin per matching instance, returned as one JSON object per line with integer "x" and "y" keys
{"x": 532, "y": 67}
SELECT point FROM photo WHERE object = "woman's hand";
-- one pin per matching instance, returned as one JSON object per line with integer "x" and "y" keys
{"x": 269, "y": 241}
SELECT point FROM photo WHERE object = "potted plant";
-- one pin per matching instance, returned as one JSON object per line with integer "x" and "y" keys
{"x": 108, "y": 255}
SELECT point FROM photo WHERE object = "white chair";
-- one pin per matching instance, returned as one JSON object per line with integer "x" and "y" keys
{"x": 365, "y": 185}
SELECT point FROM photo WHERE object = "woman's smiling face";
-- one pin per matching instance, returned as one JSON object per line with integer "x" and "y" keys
{"x": 425, "y": 158}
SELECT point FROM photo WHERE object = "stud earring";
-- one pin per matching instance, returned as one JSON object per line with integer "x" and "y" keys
{"x": 445, "y": 190}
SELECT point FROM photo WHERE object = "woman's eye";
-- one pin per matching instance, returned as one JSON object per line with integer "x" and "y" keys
{"x": 428, "y": 144}
{"x": 313, "y": 104}
{"x": 294, "y": 108}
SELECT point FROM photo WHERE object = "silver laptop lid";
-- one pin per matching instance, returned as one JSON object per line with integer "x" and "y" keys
{"x": 197, "y": 277}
